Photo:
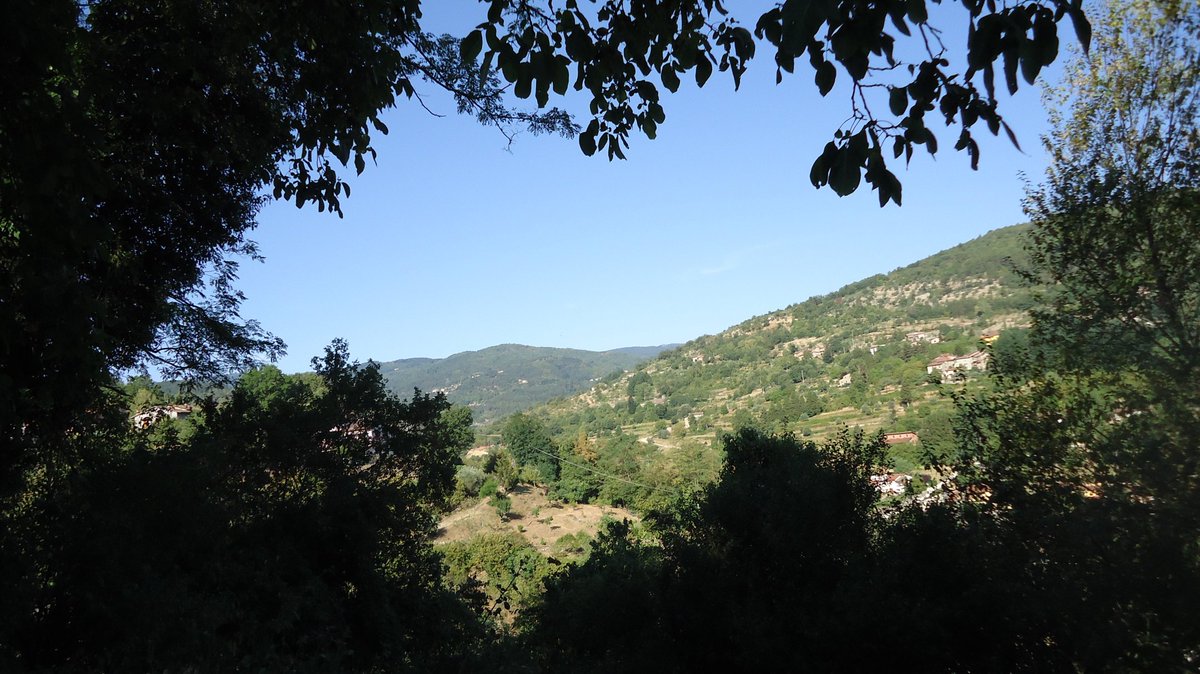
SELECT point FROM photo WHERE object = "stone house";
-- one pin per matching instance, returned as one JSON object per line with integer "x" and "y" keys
{"x": 953, "y": 368}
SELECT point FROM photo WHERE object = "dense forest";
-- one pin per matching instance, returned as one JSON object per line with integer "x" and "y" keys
{"x": 296, "y": 522}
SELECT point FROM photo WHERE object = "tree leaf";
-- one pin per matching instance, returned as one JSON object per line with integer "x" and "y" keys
{"x": 1012, "y": 137}
{"x": 897, "y": 100}
{"x": 704, "y": 70}
{"x": 825, "y": 77}
{"x": 670, "y": 80}
{"x": 846, "y": 174}
{"x": 562, "y": 76}
{"x": 1083, "y": 29}
{"x": 818, "y": 175}
{"x": 1031, "y": 61}
{"x": 471, "y": 45}
{"x": 587, "y": 142}
{"x": 916, "y": 11}
{"x": 1011, "y": 58}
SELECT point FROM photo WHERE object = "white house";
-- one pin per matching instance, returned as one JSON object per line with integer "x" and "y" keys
{"x": 952, "y": 367}
{"x": 890, "y": 484}
{"x": 151, "y": 415}
{"x": 932, "y": 337}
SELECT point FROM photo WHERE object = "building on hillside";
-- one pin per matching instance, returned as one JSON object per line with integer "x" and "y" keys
{"x": 937, "y": 363}
{"x": 845, "y": 380}
{"x": 151, "y": 415}
{"x": 989, "y": 337}
{"x": 818, "y": 351}
{"x": 920, "y": 337}
{"x": 954, "y": 368}
{"x": 890, "y": 484}
{"x": 901, "y": 438}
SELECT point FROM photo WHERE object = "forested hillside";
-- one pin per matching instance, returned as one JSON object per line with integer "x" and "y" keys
{"x": 507, "y": 378}
{"x": 858, "y": 356}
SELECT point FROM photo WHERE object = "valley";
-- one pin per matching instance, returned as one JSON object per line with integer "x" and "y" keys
{"x": 880, "y": 356}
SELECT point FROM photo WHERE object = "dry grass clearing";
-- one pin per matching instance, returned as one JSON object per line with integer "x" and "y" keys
{"x": 540, "y": 520}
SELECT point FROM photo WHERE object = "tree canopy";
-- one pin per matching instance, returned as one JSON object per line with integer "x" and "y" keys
{"x": 1087, "y": 444}
{"x": 139, "y": 140}
{"x": 891, "y": 52}
{"x": 287, "y": 531}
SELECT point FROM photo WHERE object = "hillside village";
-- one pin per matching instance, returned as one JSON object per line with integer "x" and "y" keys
{"x": 874, "y": 355}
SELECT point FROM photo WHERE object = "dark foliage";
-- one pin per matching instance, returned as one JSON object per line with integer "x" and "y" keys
{"x": 290, "y": 532}
{"x": 787, "y": 564}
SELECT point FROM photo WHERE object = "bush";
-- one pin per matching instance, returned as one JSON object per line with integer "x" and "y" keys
{"x": 532, "y": 475}
{"x": 503, "y": 506}
{"x": 489, "y": 487}
{"x": 469, "y": 479}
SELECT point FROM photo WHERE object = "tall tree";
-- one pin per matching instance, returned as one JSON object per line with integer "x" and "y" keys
{"x": 531, "y": 444}
{"x": 1116, "y": 236}
{"x": 1115, "y": 220}
{"x": 1087, "y": 446}
{"x": 137, "y": 140}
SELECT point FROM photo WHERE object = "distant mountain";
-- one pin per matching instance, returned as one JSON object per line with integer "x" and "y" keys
{"x": 858, "y": 356}
{"x": 500, "y": 380}
{"x": 643, "y": 352}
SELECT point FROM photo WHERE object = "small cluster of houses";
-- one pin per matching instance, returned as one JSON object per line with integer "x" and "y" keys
{"x": 894, "y": 484}
{"x": 890, "y": 484}
{"x": 151, "y": 415}
{"x": 922, "y": 337}
{"x": 953, "y": 368}
{"x": 918, "y": 337}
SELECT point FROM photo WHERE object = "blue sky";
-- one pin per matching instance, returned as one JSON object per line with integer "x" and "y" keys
{"x": 456, "y": 241}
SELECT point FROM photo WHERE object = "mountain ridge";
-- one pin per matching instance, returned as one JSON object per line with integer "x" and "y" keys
{"x": 504, "y": 378}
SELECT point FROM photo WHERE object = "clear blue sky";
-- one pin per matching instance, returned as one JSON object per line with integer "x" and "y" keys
{"x": 456, "y": 242}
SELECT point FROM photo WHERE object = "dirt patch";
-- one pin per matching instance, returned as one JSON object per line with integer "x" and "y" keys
{"x": 482, "y": 450}
{"x": 551, "y": 521}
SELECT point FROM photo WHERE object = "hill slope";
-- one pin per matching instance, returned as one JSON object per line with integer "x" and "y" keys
{"x": 857, "y": 356}
{"x": 500, "y": 380}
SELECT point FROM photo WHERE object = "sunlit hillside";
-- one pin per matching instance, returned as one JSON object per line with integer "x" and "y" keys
{"x": 858, "y": 356}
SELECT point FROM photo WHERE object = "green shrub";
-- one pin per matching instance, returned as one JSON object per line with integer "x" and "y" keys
{"x": 502, "y": 504}
{"x": 489, "y": 487}
{"x": 469, "y": 479}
